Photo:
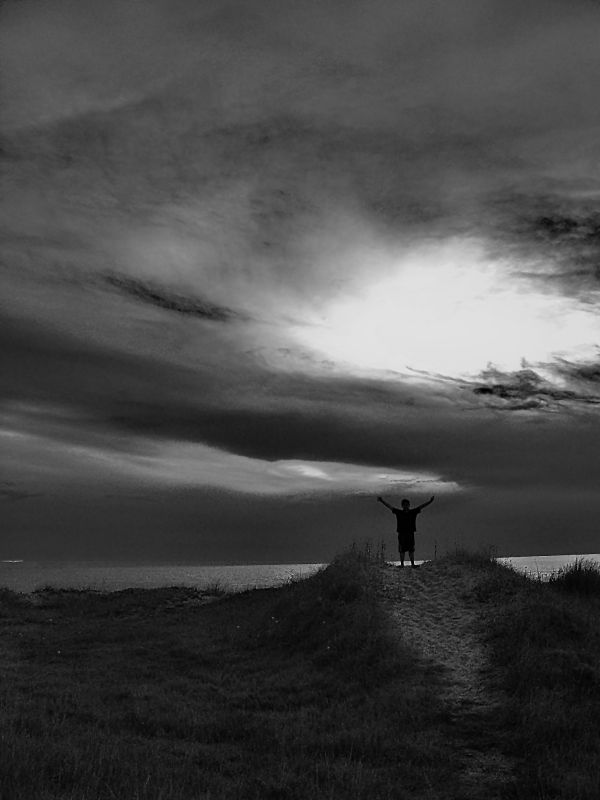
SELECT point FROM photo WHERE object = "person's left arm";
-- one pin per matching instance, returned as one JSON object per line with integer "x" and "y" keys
{"x": 424, "y": 505}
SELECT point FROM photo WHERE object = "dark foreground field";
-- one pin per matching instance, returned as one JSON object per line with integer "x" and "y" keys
{"x": 306, "y": 691}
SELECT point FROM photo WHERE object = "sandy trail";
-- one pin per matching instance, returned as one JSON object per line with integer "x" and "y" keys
{"x": 433, "y": 612}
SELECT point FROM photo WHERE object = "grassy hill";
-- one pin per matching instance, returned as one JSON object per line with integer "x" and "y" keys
{"x": 305, "y": 691}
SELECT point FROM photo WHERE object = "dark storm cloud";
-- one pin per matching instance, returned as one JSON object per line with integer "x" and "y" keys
{"x": 526, "y": 390}
{"x": 559, "y": 224}
{"x": 163, "y": 298}
{"x": 191, "y": 188}
{"x": 130, "y": 405}
{"x": 586, "y": 372}
{"x": 126, "y": 405}
{"x": 92, "y": 394}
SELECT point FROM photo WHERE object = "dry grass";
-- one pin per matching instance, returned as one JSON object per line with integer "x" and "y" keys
{"x": 296, "y": 692}
{"x": 545, "y": 638}
{"x": 582, "y": 578}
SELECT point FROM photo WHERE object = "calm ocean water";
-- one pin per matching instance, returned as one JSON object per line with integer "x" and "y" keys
{"x": 26, "y": 576}
{"x": 544, "y": 566}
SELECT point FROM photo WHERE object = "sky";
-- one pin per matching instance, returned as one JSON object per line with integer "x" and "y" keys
{"x": 265, "y": 261}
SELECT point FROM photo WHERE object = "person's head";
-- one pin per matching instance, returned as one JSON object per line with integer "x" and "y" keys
{"x": 405, "y": 504}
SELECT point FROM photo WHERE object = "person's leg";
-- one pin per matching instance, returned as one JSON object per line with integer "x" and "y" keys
{"x": 401, "y": 557}
{"x": 411, "y": 555}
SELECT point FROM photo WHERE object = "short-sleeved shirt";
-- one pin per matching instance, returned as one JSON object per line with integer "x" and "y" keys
{"x": 406, "y": 520}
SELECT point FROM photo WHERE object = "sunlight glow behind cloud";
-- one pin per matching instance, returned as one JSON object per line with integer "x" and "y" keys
{"x": 447, "y": 309}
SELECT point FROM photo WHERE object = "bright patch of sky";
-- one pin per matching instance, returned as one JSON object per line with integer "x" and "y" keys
{"x": 448, "y": 309}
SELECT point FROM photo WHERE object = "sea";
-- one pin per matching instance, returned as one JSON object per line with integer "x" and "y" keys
{"x": 28, "y": 576}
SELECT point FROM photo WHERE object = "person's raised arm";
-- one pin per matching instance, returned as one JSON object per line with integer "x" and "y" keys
{"x": 423, "y": 505}
{"x": 387, "y": 505}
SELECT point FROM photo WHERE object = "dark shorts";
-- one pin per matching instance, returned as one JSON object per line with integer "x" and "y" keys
{"x": 406, "y": 542}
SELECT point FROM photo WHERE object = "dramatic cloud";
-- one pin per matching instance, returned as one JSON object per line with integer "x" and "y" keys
{"x": 316, "y": 250}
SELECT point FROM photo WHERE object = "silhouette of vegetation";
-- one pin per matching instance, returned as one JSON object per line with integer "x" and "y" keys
{"x": 295, "y": 692}
{"x": 581, "y": 577}
{"x": 545, "y": 639}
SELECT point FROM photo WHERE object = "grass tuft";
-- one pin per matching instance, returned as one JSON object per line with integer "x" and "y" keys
{"x": 582, "y": 577}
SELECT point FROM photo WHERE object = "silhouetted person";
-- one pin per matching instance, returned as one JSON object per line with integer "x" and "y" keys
{"x": 406, "y": 519}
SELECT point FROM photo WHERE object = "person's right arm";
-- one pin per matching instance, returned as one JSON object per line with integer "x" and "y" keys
{"x": 387, "y": 505}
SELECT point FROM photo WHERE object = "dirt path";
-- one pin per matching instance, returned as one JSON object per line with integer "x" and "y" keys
{"x": 433, "y": 612}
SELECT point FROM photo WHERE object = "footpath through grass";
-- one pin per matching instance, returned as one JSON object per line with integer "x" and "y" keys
{"x": 545, "y": 638}
{"x": 298, "y": 692}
